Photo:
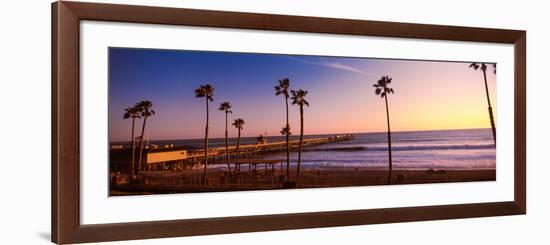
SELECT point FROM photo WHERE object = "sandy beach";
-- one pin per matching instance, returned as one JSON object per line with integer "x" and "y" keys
{"x": 219, "y": 180}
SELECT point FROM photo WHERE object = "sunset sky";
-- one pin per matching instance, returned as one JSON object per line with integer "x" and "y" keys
{"x": 428, "y": 95}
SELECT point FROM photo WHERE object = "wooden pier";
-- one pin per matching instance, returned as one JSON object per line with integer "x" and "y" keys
{"x": 181, "y": 159}
{"x": 269, "y": 147}
{"x": 178, "y": 159}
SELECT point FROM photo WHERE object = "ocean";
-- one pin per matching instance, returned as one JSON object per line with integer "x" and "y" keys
{"x": 441, "y": 149}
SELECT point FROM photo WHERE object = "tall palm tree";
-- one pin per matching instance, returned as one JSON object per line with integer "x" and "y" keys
{"x": 483, "y": 68}
{"x": 298, "y": 98}
{"x": 238, "y": 123}
{"x": 206, "y": 91}
{"x": 146, "y": 111}
{"x": 226, "y": 107}
{"x": 383, "y": 89}
{"x": 132, "y": 112}
{"x": 282, "y": 89}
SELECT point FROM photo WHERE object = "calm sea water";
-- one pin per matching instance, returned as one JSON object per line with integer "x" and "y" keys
{"x": 446, "y": 149}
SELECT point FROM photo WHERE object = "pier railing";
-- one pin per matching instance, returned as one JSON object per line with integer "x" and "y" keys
{"x": 269, "y": 147}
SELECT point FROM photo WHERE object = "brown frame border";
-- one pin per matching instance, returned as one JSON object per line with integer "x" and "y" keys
{"x": 66, "y": 227}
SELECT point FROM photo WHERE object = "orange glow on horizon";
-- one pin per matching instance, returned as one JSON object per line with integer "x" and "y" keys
{"x": 429, "y": 95}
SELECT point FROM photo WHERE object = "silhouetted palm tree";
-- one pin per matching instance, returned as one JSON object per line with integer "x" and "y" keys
{"x": 285, "y": 131}
{"x": 483, "y": 68}
{"x": 383, "y": 89}
{"x": 298, "y": 98}
{"x": 132, "y": 112}
{"x": 282, "y": 89}
{"x": 146, "y": 111}
{"x": 238, "y": 123}
{"x": 226, "y": 107}
{"x": 206, "y": 91}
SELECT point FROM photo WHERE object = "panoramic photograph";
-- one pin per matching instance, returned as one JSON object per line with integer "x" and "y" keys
{"x": 202, "y": 121}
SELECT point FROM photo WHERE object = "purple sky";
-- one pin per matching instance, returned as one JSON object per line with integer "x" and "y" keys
{"x": 428, "y": 95}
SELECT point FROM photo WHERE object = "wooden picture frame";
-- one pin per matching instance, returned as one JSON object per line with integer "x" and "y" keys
{"x": 66, "y": 226}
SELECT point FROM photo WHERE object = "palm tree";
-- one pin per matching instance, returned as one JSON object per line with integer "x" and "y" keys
{"x": 383, "y": 90}
{"x": 483, "y": 68}
{"x": 146, "y": 111}
{"x": 226, "y": 107}
{"x": 206, "y": 91}
{"x": 238, "y": 123}
{"x": 282, "y": 89}
{"x": 298, "y": 98}
{"x": 132, "y": 112}
{"x": 285, "y": 131}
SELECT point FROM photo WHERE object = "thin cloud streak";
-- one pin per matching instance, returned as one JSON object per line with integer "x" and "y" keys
{"x": 345, "y": 68}
{"x": 334, "y": 65}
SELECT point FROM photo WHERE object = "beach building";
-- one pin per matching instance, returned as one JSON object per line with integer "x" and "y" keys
{"x": 165, "y": 158}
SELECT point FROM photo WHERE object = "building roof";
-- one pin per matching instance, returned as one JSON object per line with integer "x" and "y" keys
{"x": 164, "y": 149}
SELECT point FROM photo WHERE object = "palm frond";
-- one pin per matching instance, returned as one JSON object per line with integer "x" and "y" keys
{"x": 225, "y": 106}
{"x": 483, "y": 67}
{"x": 286, "y": 131}
{"x": 143, "y": 108}
{"x": 298, "y": 97}
{"x": 199, "y": 93}
{"x": 238, "y": 123}
{"x": 282, "y": 88}
{"x": 381, "y": 86}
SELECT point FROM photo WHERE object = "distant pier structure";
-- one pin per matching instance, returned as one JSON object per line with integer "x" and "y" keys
{"x": 171, "y": 158}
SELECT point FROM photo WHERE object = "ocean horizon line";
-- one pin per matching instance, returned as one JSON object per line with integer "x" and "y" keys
{"x": 318, "y": 134}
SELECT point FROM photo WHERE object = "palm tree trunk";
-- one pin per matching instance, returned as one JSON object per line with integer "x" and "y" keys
{"x": 301, "y": 139}
{"x": 238, "y": 147}
{"x": 490, "y": 109}
{"x": 141, "y": 145}
{"x": 133, "y": 149}
{"x": 204, "y": 178}
{"x": 226, "y": 146}
{"x": 389, "y": 139}
{"x": 287, "y": 143}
